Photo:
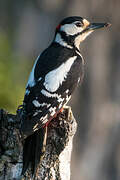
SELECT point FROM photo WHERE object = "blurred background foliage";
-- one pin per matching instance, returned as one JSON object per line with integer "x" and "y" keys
{"x": 11, "y": 68}
{"x": 26, "y": 29}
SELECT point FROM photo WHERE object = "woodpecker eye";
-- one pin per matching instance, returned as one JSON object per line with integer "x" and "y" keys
{"x": 78, "y": 24}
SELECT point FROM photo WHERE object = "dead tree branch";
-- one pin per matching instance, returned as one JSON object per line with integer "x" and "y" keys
{"x": 55, "y": 164}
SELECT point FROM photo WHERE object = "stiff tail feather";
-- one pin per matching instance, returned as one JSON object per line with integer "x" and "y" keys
{"x": 33, "y": 150}
{"x": 34, "y": 144}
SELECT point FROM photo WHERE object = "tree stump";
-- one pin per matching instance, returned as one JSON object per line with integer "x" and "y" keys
{"x": 55, "y": 164}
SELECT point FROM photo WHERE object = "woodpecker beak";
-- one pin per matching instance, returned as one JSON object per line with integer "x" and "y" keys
{"x": 88, "y": 28}
{"x": 94, "y": 26}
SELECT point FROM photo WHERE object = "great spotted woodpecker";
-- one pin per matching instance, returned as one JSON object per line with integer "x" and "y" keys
{"x": 55, "y": 75}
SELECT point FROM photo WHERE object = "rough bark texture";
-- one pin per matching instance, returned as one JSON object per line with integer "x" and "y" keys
{"x": 55, "y": 164}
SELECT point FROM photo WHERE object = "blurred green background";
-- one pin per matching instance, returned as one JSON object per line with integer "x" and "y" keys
{"x": 26, "y": 29}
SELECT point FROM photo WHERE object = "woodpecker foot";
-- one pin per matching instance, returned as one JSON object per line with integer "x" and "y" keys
{"x": 68, "y": 111}
{"x": 53, "y": 117}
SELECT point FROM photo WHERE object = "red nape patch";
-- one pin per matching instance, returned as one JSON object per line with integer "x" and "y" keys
{"x": 58, "y": 27}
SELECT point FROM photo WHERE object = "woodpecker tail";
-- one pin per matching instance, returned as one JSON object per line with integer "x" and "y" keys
{"x": 33, "y": 150}
{"x": 35, "y": 143}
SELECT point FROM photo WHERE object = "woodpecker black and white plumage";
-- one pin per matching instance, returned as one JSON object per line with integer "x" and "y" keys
{"x": 54, "y": 76}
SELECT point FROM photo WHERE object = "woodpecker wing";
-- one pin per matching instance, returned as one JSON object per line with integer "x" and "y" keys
{"x": 52, "y": 80}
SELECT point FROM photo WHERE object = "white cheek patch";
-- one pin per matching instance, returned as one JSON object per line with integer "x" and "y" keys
{"x": 71, "y": 29}
{"x": 54, "y": 78}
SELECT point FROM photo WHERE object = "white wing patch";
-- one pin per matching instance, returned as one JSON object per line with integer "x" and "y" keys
{"x": 55, "y": 95}
{"x": 47, "y": 94}
{"x": 52, "y": 111}
{"x": 55, "y": 78}
{"x": 37, "y": 104}
{"x": 36, "y": 113}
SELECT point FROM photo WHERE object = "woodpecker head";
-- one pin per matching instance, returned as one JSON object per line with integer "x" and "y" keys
{"x": 73, "y": 30}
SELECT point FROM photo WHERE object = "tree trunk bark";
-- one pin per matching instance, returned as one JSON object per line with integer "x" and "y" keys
{"x": 55, "y": 164}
